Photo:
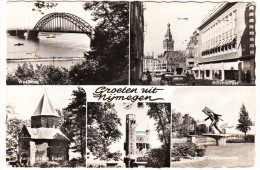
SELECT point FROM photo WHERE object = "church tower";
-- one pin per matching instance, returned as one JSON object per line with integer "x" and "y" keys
{"x": 45, "y": 115}
{"x": 168, "y": 42}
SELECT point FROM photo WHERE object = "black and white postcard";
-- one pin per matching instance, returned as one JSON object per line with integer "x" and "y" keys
{"x": 129, "y": 84}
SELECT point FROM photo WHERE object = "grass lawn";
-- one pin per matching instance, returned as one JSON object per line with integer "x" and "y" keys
{"x": 231, "y": 155}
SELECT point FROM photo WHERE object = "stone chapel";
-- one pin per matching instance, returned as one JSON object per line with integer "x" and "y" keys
{"x": 43, "y": 141}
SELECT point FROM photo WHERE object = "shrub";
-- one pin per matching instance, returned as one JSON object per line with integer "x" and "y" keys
{"x": 249, "y": 138}
{"x": 187, "y": 150}
{"x": 243, "y": 139}
{"x": 76, "y": 162}
{"x": 12, "y": 79}
{"x": 45, "y": 164}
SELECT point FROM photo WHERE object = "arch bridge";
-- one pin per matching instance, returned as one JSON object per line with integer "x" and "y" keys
{"x": 58, "y": 22}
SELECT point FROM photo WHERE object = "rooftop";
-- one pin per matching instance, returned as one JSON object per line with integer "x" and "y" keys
{"x": 45, "y": 107}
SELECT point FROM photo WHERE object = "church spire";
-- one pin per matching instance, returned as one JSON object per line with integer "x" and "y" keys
{"x": 168, "y": 35}
{"x": 168, "y": 43}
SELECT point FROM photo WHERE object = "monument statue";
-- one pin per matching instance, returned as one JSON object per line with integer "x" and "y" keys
{"x": 214, "y": 117}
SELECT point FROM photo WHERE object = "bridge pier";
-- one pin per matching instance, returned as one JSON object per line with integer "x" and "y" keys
{"x": 20, "y": 33}
{"x": 12, "y": 32}
{"x": 32, "y": 35}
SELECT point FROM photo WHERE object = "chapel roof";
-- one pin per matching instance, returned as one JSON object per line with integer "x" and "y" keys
{"x": 45, "y": 108}
{"x": 46, "y": 133}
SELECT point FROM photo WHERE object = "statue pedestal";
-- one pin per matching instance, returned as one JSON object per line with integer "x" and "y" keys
{"x": 220, "y": 138}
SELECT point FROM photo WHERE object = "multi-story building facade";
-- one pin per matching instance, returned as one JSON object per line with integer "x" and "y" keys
{"x": 136, "y": 41}
{"x": 148, "y": 63}
{"x": 137, "y": 143}
{"x": 227, "y": 43}
{"x": 192, "y": 53}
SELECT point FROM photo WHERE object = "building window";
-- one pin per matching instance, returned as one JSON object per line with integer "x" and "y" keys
{"x": 251, "y": 14}
{"x": 251, "y": 26}
{"x": 251, "y": 20}
{"x": 252, "y": 39}
{"x": 252, "y": 45}
{"x": 251, "y": 33}
{"x": 252, "y": 52}
{"x": 251, "y": 7}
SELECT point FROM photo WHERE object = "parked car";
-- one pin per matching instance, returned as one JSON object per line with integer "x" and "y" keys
{"x": 158, "y": 74}
{"x": 166, "y": 79}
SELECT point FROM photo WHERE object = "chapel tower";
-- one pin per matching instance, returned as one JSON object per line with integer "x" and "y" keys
{"x": 45, "y": 115}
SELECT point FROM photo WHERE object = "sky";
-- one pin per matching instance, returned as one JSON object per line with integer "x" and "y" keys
{"x": 158, "y": 15}
{"x": 25, "y": 99}
{"x": 143, "y": 122}
{"x": 20, "y": 14}
{"x": 225, "y": 101}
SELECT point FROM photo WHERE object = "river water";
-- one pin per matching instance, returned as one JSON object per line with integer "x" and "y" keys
{"x": 67, "y": 47}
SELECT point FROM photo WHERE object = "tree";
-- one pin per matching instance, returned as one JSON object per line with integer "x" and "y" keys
{"x": 25, "y": 72}
{"x": 85, "y": 73}
{"x": 161, "y": 113}
{"x": 41, "y": 5}
{"x": 52, "y": 75}
{"x": 188, "y": 125}
{"x": 11, "y": 79}
{"x": 13, "y": 128}
{"x": 74, "y": 126}
{"x": 109, "y": 47}
{"x": 42, "y": 74}
{"x": 102, "y": 130}
{"x": 244, "y": 120}
{"x": 177, "y": 120}
{"x": 156, "y": 158}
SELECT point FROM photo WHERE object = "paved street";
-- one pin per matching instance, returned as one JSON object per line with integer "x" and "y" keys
{"x": 205, "y": 82}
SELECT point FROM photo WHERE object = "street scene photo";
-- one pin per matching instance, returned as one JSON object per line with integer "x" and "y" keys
{"x": 213, "y": 127}
{"x": 67, "y": 43}
{"x": 192, "y": 43}
{"x": 45, "y": 127}
{"x": 128, "y": 135}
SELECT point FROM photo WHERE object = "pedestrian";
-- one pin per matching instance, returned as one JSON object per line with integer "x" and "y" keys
{"x": 149, "y": 78}
{"x": 143, "y": 78}
{"x": 248, "y": 78}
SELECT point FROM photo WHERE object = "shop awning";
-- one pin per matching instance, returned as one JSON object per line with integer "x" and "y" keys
{"x": 219, "y": 66}
{"x": 231, "y": 39}
{"x": 217, "y": 44}
{"x": 221, "y": 43}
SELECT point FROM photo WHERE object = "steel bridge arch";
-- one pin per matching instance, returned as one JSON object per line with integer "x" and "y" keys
{"x": 63, "y": 22}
